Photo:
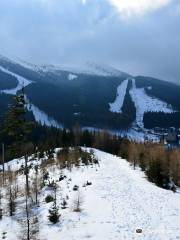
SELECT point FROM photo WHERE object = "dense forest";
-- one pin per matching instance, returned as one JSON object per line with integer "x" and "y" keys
{"x": 85, "y": 100}
{"x": 23, "y": 137}
{"x": 7, "y": 81}
{"x": 162, "y": 166}
{"x": 5, "y": 100}
{"x": 162, "y": 120}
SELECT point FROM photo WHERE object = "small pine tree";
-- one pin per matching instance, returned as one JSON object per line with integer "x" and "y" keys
{"x": 49, "y": 198}
{"x": 54, "y": 210}
{"x": 78, "y": 201}
{"x": 54, "y": 214}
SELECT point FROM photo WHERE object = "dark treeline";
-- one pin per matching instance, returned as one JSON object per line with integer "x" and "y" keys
{"x": 128, "y": 108}
{"x": 43, "y": 138}
{"x": 162, "y": 166}
{"x": 162, "y": 120}
{"x": 7, "y": 81}
{"x": 22, "y": 137}
{"x": 85, "y": 101}
{"x": 5, "y": 100}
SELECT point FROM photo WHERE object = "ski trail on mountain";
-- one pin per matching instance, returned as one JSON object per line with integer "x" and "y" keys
{"x": 117, "y": 105}
{"x": 145, "y": 103}
{"x": 40, "y": 116}
{"x": 22, "y": 82}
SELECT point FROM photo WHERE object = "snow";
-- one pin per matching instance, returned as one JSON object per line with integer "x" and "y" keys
{"x": 102, "y": 69}
{"x": 77, "y": 113}
{"x": 116, "y": 106}
{"x": 23, "y": 82}
{"x": 119, "y": 201}
{"x": 88, "y": 67}
{"x": 9, "y": 224}
{"x": 145, "y": 103}
{"x": 138, "y": 135}
{"x": 135, "y": 134}
{"x": 149, "y": 88}
{"x": 72, "y": 77}
{"x": 40, "y": 116}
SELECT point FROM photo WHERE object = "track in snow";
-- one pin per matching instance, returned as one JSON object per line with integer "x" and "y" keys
{"x": 119, "y": 201}
{"x": 116, "y": 106}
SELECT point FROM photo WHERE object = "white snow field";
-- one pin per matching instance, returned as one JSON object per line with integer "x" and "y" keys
{"x": 72, "y": 76}
{"x": 119, "y": 201}
{"x": 40, "y": 116}
{"x": 145, "y": 103}
{"x": 116, "y": 106}
{"x": 22, "y": 82}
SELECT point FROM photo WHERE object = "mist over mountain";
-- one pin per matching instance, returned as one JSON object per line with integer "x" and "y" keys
{"x": 140, "y": 39}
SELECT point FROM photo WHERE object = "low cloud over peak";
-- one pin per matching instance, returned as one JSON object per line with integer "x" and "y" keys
{"x": 136, "y": 36}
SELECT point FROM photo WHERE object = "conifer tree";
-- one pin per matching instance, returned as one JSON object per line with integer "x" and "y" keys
{"x": 17, "y": 128}
{"x": 54, "y": 210}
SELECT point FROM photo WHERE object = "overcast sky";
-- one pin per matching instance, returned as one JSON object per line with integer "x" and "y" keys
{"x": 136, "y": 36}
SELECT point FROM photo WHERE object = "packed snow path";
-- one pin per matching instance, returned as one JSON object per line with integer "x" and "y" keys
{"x": 120, "y": 201}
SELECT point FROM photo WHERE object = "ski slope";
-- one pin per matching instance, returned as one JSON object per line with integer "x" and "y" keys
{"x": 72, "y": 76}
{"x": 119, "y": 201}
{"x": 40, "y": 116}
{"x": 22, "y": 82}
{"x": 145, "y": 103}
{"x": 116, "y": 106}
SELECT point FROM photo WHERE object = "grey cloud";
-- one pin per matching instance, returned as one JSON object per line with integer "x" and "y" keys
{"x": 66, "y": 32}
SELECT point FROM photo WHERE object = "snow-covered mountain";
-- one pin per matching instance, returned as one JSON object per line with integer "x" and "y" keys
{"x": 118, "y": 204}
{"x": 96, "y": 96}
{"x": 90, "y": 68}
{"x": 142, "y": 102}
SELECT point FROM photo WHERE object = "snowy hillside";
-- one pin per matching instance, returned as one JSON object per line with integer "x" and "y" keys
{"x": 116, "y": 106}
{"x": 40, "y": 116}
{"x": 22, "y": 82}
{"x": 88, "y": 67}
{"x": 119, "y": 201}
{"x": 95, "y": 96}
{"x": 145, "y": 103}
{"x": 103, "y": 70}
